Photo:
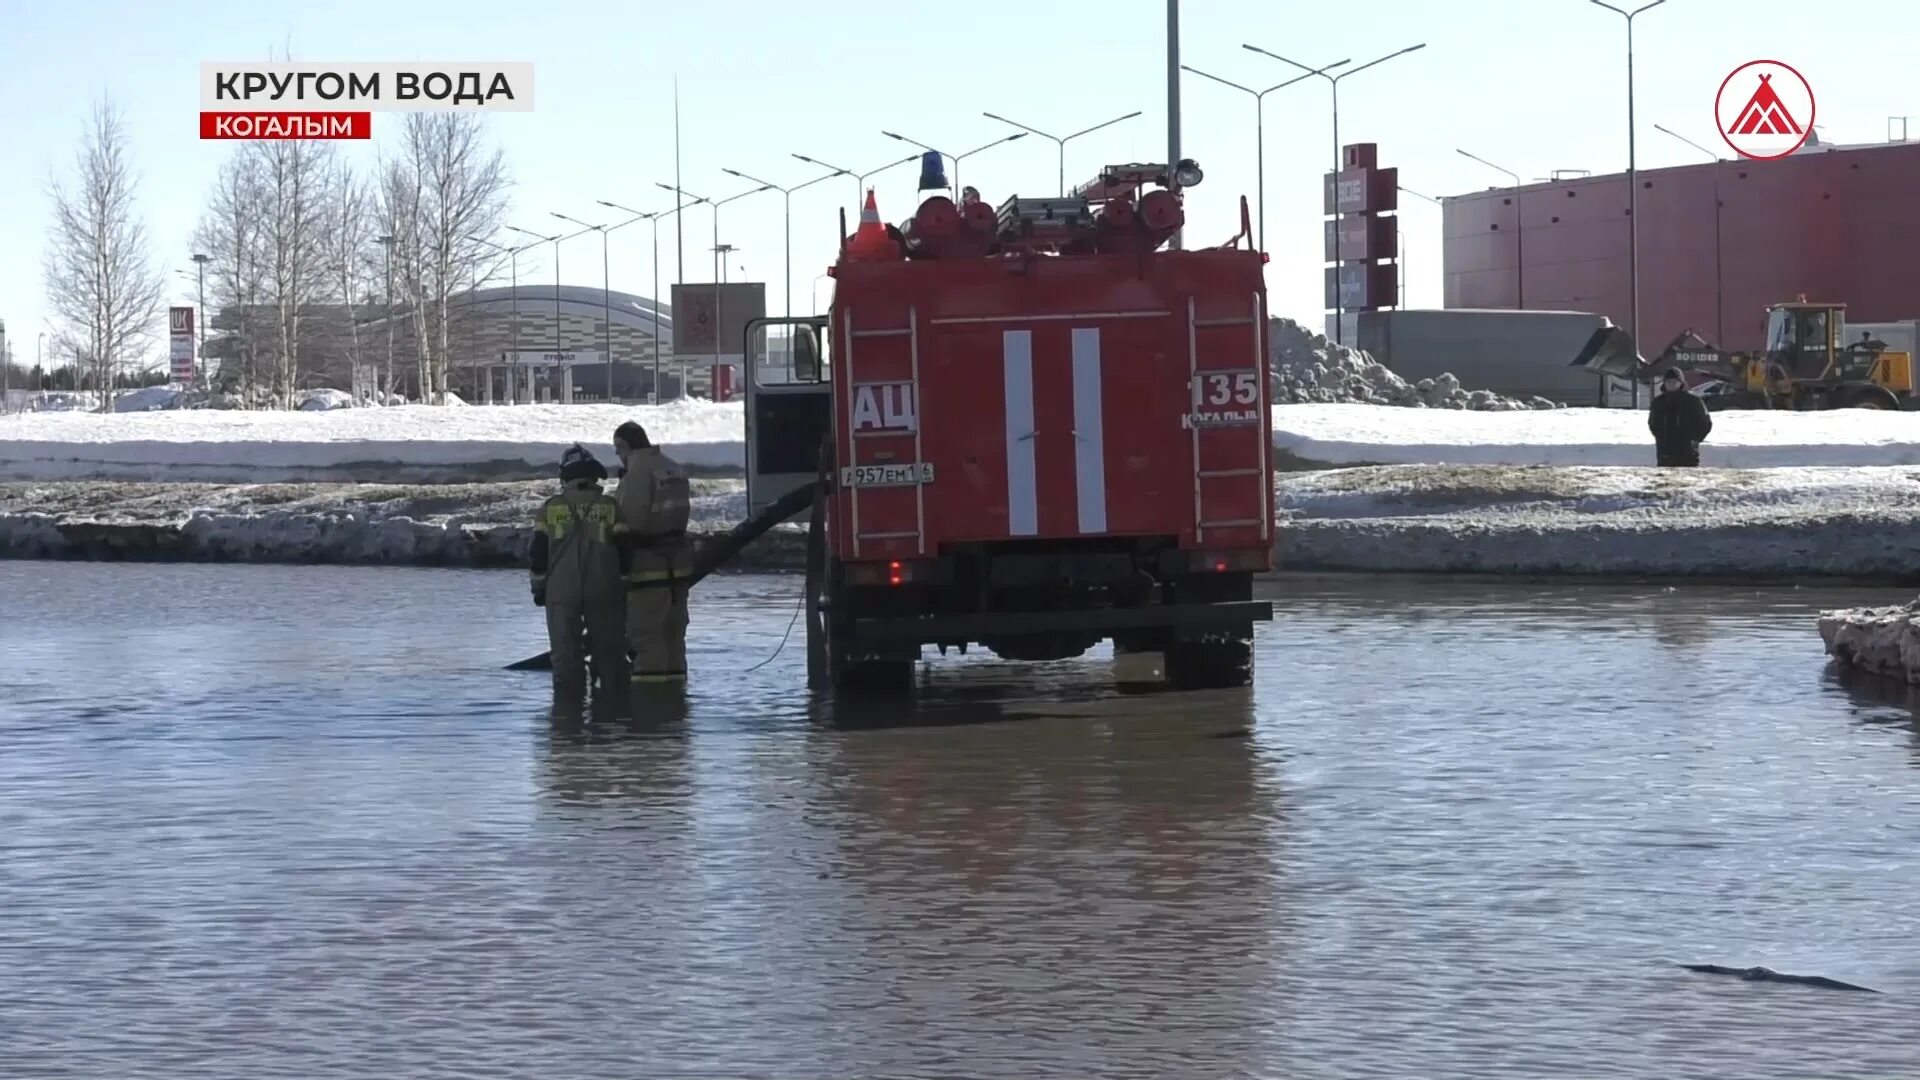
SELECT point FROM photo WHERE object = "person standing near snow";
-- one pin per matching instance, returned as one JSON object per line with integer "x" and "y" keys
{"x": 654, "y": 506}
{"x": 1679, "y": 421}
{"x": 575, "y": 570}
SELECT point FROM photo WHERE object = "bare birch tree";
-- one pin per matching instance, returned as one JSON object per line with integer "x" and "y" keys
{"x": 349, "y": 256}
{"x": 297, "y": 178}
{"x": 104, "y": 292}
{"x": 445, "y": 187}
{"x": 230, "y": 232}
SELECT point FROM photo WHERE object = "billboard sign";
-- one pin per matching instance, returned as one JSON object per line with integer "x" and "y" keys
{"x": 1361, "y": 237}
{"x": 180, "y": 343}
{"x": 711, "y": 320}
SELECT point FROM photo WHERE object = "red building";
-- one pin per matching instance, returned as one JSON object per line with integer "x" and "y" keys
{"x": 1718, "y": 243}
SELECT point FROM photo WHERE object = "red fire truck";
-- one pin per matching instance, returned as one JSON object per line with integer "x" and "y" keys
{"x": 1029, "y": 428}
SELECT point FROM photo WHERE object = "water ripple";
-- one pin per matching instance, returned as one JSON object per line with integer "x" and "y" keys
{"x": 281, "y": 822}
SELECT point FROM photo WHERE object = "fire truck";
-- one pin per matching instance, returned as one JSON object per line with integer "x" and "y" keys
{"x": 1029, "y": 428}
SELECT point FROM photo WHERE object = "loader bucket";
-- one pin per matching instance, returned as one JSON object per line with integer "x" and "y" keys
{"x": 1611, "y": 351}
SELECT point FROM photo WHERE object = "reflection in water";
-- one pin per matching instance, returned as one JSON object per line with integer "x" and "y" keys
{"x": 1452, "y": 831}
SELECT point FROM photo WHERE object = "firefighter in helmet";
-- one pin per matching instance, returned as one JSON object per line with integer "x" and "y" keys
{"x": 653, "y": 499}
{"x": 575, "y": 569}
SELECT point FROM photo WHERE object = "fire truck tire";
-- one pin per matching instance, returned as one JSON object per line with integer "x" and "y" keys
{"x": 1210, "y": 665}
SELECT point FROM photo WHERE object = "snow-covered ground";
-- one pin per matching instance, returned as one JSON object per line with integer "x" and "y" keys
{"x": 1312, "y": 436}
{"x": 426, "y": 444}
{"x": 402, "y": 444}
{"x": 442, "y": 524}
{"x": 1739, "y": 523}
{"x": 1850, "y": 522}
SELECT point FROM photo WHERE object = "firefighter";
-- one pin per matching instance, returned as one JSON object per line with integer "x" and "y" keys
{"x": 575, "y": 569}
{"x": 1679, "y": 421}
{"x": 653, "y": 530}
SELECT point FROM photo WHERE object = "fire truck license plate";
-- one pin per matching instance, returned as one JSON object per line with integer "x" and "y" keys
{"x": 894, "y": 475}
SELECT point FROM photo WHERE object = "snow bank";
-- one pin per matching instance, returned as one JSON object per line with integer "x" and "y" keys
{"x": 1744, "y": 524}
{"x": 1310, "y": 436}
{"x": 439, "y": 525}
{"x": 413, "y": 443}
{"x": 427, "y": 444}
{"x": 1883, "y": 640}
{"x": 1308, "y": 368}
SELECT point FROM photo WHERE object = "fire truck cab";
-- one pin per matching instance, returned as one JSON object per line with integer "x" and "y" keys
{"x": 1029, "y": 429}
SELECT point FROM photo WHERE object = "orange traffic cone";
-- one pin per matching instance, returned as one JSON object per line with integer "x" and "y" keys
{"x": 870, "y": 240}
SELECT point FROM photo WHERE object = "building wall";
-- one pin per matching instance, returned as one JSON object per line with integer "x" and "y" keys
{"x": 1838, "y": 225}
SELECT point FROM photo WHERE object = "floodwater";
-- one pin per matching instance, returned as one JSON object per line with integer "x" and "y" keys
{"x": 288, "y": 822}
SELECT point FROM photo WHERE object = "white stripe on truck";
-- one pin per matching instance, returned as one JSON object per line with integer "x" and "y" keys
{"x": 1023, "y": 504}
{"x": 1089, "y": 438}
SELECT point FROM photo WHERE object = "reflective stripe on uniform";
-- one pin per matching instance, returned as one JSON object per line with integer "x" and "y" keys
{"x": 660, "y": 677}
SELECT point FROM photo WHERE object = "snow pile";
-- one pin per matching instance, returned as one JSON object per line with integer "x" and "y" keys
{"x": 1308, "y": 436}
{"x": 323, "y": 399}
{"x": 487, "y": 525}
{"x": 1309, "y": 369}
{"x": 1735, "y": 523}
{"x": 410, "y": 443}
{"x": 1883, "y": 640}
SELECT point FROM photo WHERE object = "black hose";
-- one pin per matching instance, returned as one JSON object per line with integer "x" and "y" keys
{"x": 714, "y": 555}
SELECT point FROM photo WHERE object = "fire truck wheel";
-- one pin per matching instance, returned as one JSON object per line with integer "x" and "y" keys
{"x": 1210, "y": 665}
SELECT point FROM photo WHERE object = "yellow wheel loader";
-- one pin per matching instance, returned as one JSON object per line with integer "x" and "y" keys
{"x": 1808, "y": 363}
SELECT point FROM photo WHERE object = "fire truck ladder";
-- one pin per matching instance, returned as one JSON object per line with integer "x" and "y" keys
{"x": 911, "y": 332}
{"x": 1201, "y": 472}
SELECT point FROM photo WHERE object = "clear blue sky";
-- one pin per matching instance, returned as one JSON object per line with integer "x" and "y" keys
{"x": 1534, "y": 85}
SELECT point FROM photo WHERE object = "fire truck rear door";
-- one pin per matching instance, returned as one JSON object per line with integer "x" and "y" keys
{"x": 789, "y": 406}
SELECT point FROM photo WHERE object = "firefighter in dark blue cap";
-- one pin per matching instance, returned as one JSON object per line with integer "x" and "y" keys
{"x": 576, "y": 577}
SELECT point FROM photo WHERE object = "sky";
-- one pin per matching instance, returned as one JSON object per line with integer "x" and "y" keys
{"x": 1531, "y": 85}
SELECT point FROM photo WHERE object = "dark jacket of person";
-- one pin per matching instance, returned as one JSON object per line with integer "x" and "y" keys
{"x": 1680, "y": 423}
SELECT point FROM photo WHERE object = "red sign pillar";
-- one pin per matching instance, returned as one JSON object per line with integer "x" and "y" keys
{"x": 1362, "y": 235}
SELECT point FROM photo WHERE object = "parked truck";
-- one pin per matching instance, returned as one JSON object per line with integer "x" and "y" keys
{"x": 1030, "y": 428}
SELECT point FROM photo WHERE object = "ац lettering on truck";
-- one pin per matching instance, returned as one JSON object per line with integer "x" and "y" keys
{"x": 1047, "y": 430}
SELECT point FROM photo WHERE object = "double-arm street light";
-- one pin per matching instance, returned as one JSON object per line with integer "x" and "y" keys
{"x": 1060, "y": 141}
{"x": 513, "y": 261}
{"x": 1333, "y": 81}
{"x": 716, "y": 205}
{"x": 1259, "y": 131}
{"x": 786, "y": 195}
{"x": 957, "y": 158}
{"x": 1519, "y": 231}
{"x": 556, "y": 240}
{"x": 859, "y": 179}
{"x": 606, "y": 288}
{"x": 1633, "y": 188}
{"x": 655, "y": 217}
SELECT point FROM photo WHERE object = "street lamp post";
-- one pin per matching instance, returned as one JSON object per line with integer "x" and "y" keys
{"x": 200, "y": 321}
{"x": 716, "y": 205}
{"x": 655, "y": 217}
{"x": 606, "y": 289}
{"x": 786, "y": 195}
{"x": 1061, "y": 141}
{"x": 1519, "y": 231}
{"x": 1333, "y": 81}
{"x": 1259, "y": 131}
{"x": 556, "y": 240}
{"x": 859, "y": 179}
{"x": 1403, "y": 243}
{"x": 1633, "y": 189}
{"x": 956, "y": 158}
{"x": 513, "y": 263}
{"x": 1719, "y": 303}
